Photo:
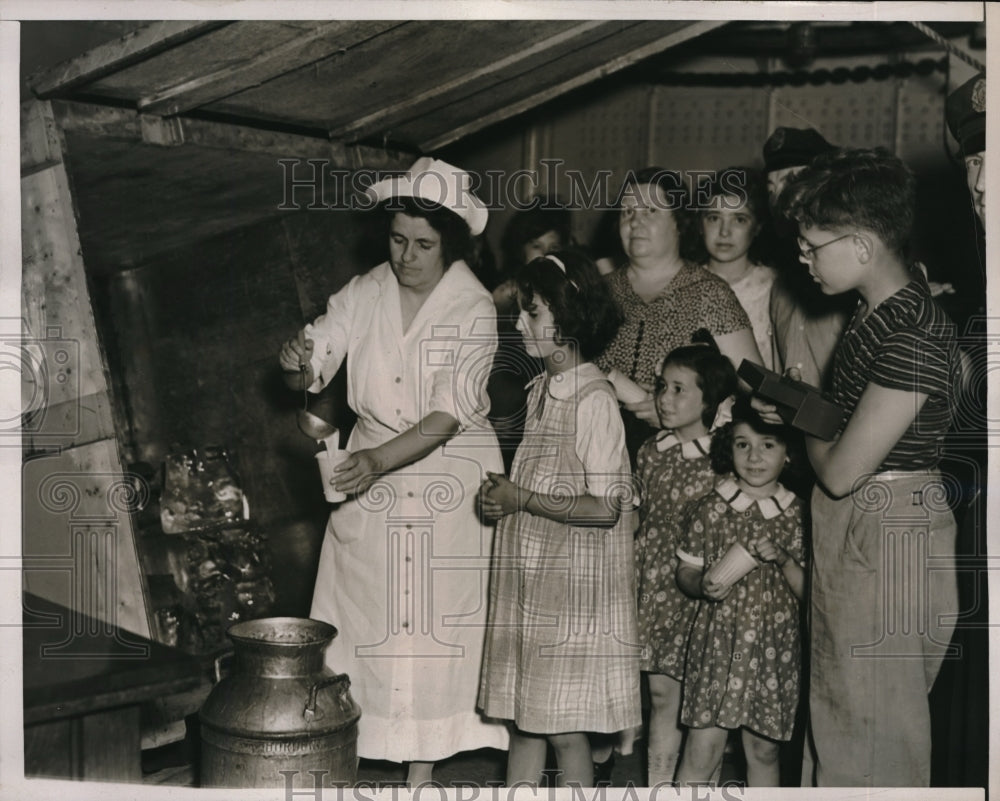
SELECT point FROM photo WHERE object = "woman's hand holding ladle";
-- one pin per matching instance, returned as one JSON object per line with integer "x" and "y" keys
{"x": 295, "y": 359}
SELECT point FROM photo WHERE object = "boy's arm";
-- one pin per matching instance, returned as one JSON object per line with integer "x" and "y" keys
{"x": 737, "y": 346}
{"x": 795, "y": 575}
{"x": 879, "y": 420}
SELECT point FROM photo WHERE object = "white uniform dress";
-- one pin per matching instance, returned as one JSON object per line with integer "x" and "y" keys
{"x": 403, "y": 568}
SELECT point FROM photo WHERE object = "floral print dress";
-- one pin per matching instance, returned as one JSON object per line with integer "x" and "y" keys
{"x": 671, "y": 474}
{"x": 743, "y": 659}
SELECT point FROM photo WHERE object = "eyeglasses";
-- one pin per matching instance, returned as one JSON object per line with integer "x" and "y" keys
{"x": 808, "y": 251}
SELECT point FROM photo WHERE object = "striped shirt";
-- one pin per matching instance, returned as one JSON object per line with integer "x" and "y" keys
{"x": 906, "y": 343}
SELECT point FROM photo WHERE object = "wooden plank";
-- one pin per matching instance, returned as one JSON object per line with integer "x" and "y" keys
{"x": 381, "y": 118}
{"x": 607, "y": 68}
{"x": 61, "y": 335}
{"x": 78, "y": 543}
{"x": 388, "y": 69}
{"x": 129, "y": 49}
{"x": 110, "y": 746}
{"x": 63, "y": 372}
{"x": 261, "y": 64}
{"x": 118, "y": 123}
{"x": 50, "y": 750}
{"x": 40, "y": 142}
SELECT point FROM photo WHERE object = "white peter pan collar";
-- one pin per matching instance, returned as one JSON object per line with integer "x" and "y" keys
{"x": 769, "y": 507}
{"x": 692, "y": 449}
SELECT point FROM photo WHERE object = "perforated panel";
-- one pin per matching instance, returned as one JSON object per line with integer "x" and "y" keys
{"x": 598, "y": 143}
{"x": 855, "y": 115}
{"x": 921, "y": 119}
{"x": 708, "y": 128}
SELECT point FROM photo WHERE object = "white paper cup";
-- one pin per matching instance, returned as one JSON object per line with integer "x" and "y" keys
{"x": 735, "y": 563}
{"x": 328, "y": 460}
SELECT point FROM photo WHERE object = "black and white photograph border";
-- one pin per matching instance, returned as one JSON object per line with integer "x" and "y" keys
{"x": 78, "y": 391}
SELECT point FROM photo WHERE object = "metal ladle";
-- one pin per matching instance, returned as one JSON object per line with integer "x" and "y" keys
{"x": 312, "y": 425}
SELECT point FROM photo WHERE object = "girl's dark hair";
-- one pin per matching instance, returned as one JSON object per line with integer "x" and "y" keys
{"x": 456, "y": 239}
{"x": 751, "y": 187}
{"x": 714, "y": 373}
{"x": 677, "y": 200}
{"x": 544, "y": 215}
{"x": 721, "y": 451}
{"x": 582, "y": 306}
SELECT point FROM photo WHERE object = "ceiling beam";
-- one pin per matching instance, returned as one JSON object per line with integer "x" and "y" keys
{"x": 359, "y": 128}
{"x": 134, "y": 46}
{"x": 118, "y": 123}
{"x": 607, "y": 68}
{"x": 262, "y": 65}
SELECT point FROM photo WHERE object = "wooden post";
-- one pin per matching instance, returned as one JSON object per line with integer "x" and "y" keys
{"x": 78, "y": 542}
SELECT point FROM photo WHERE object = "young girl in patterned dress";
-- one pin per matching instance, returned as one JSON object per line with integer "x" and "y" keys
{"x": 673, "y": 468}
{"x": 743, "y": 654}
{"x": 561, "y": 656}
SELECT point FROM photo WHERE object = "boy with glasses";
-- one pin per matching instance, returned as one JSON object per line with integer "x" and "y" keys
{"x": 805, "y": 325}
{"x": 883, "y": 591}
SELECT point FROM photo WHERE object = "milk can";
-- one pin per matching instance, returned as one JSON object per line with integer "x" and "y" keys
{"x": 280, "y": 718}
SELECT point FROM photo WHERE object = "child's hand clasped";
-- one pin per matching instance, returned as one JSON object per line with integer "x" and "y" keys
{"x": 767, "y": 551}
{"x": 498, "y": 496}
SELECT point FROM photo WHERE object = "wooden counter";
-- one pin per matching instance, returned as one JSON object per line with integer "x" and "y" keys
{"x": 84, "y": 681}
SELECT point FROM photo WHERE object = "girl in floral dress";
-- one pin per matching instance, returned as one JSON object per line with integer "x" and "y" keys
{"x": 673, "y": 469}
{"x": 561, "y": 657}
{"x": 743, "y": 658}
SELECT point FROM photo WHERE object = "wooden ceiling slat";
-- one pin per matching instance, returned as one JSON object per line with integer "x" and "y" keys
{"x": 136, "y": 46}
{"x": 385, "y": 116}
{"x": 262, "y": 64}
{"x": 92, "y": 120}
{"x": 612, "y": 65}
{"x": 384, "y": 71}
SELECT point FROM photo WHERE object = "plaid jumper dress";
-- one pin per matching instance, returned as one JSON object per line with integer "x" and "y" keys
{"x": 561, "y": 645}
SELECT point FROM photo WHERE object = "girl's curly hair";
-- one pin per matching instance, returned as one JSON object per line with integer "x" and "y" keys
{"x": 581, "y": 305}
{"x": 721, "y": 451}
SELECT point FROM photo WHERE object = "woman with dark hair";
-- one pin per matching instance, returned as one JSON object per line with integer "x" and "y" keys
{"x": 665, "y": 297}
{"x": 730, "y": 226}
{"x": 418, "y": 334}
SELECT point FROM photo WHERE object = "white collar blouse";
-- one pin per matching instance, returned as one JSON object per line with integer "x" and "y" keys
{"x": 691, "y": 449}
{"x": 739, "y": 501}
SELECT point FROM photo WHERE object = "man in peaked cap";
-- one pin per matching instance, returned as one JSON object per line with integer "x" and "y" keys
{"x": 965, "y": 111}
{"x": 806, "y": 325}
{"x": 786, "y": 152}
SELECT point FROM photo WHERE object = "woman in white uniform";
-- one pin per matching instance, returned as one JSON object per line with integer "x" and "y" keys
{"x": 403, "y": 570}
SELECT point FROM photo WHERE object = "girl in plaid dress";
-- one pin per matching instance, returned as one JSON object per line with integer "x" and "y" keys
{"x": 673, "y": 469}
{"x": 561, "y": 657}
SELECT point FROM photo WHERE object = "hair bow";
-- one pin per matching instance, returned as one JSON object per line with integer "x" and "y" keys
{"x": 724, "y": 414}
